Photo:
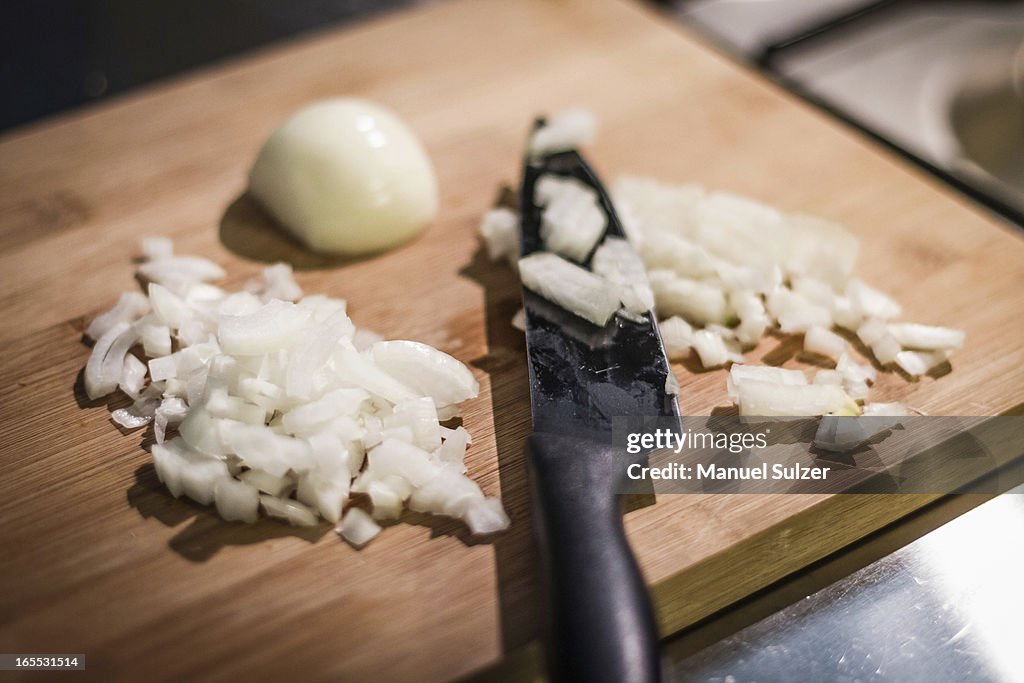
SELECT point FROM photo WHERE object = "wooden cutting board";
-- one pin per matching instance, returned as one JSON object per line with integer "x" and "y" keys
{"x": 97, "y": 559}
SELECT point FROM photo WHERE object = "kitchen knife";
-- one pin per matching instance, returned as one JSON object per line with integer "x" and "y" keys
{"x": 581, "y": 377}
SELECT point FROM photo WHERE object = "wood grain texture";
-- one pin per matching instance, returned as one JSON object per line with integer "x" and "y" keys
{"x": 98, "y": 559}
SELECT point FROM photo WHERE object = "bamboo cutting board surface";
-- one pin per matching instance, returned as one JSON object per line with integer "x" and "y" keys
{"x": 98, "y": 559}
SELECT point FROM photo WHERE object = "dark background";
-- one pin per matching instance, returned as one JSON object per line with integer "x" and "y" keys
{"x": 56, "y": 54}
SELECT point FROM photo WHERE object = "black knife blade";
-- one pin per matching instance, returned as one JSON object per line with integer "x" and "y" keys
{"x": 583, "y": 377}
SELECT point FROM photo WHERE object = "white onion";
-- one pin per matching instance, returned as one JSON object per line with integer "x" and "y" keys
{"x": 347, "y": 176}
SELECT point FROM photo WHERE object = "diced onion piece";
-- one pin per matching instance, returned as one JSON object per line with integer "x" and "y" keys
{"x": 753, "y": 319}
{"x": 261, "y": 447}
{"x": 677, "y": 337}
{"x": 419, "y": 416}
{"x": 170, "y": 413}
{"x": 566, "y": 130}
{"x": 156, "y": 340}
{"x": 853, "y": 371}
{"x": 325, "y": 494}
{"x": 485, "y": 516}
{"x": 617, "y": 262}
{"x": 738, "y": 374}
{"x": 427, "y": 370}
{"x": 519, "y": 320}
{"x": 819, "y": 340}
{"x": 359, "y": 370}
{"x": 168, "y": 306}
{"x": 129, "y": 308}
{"x": 447, "y": 493}
{"x": 394, "y": 457}
{"x": 771, "y": 399}
{"x": 711, "y": 349}
{"x": 572, "y": 221}
{"x": 828, "y": 377}
{"x": 795, "y": 313}
{"x": 236, "y": 501}
{"x": 698, "y": 302}
{"x": 358, "y": 528}
{"x": 845, "y": 433}
{"x": 105, "y": 365}
{"x": 573, "y": 288}
{"x": 276, "y": 325}
{"x": 870, "y": 302}
{"x": 872, "y": 331}
{"x": 886, "y": 349}
{"x": 129, "y": 419}
{"x": 310, "y": 418}
{"x": 926, "y": 337}
{"x": 293, "y": 511}
{"x": 916, "y": 363}
{"x": 276, "y": 282}
{"x": 277, "y": 486}
{"x": 177, "y": 273}
{"x": 667, "y": 251}
{"x": 363, "y": 340}
{"x": 885, "y": 410}
{"x": 314, "y": 351}
{"x": 500, "y": 232}
{"x": 453, "y": 450}
{"x": 133, "y": 376}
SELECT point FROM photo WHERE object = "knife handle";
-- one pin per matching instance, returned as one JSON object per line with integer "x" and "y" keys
{"x": 602, "y": 623}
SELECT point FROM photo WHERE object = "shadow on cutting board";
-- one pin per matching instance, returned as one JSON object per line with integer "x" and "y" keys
{"x": 515, "y": 555}
{"x": 247, "y": 230}
{"x": 207, "y": 533}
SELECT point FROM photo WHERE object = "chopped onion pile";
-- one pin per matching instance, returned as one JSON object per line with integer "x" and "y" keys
{"x": 723, "y": 271}
{"x": 280, "y": 404}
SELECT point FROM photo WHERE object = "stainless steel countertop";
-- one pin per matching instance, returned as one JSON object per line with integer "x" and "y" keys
{"x": 947, "y": 607}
